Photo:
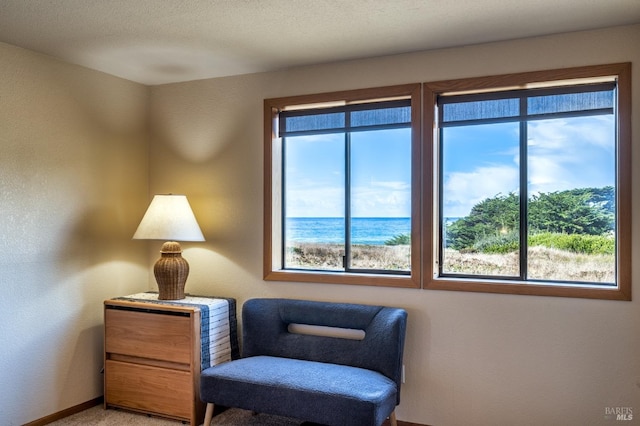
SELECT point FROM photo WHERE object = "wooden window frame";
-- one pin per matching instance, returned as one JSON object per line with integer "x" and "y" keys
{"x": 272, "y": 269}
{"x": 622, "y": 290}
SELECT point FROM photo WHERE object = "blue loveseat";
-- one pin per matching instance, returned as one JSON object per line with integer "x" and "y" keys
{"x": 313, "y": 377}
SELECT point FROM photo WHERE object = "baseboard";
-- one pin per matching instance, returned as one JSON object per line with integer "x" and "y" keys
{"x": 66, "y": 413}
{"x": 97, "y": 401}
{"x": 401, "y": 423}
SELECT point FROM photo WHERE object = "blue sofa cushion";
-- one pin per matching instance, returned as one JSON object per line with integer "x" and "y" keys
{"x": 314, "y": 391}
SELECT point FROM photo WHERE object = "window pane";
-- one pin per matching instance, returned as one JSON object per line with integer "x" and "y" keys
{"x": 314, "y": 197}
{"x": 570, "y": 102}
{"x": 381, "y": 200}
{"x": 312, "y": 122}
{"x": 382, "y": 116}
{"x": 480, "y": 200}
{"x": 479, "y": 110}
{"x": 572, "y": 199}
{"x": 573, "y": 188}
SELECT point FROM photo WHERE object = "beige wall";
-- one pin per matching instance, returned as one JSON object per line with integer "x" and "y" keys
{"x": 73, "y": 184}
{"x": 471, "y": 359}
{"x": 77, "y": 167}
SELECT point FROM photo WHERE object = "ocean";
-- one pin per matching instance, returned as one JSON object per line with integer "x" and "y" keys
{"x": 364, "y": 230}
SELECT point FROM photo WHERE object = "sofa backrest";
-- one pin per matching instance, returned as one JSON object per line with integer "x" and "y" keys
{"x": 265, "y": 324}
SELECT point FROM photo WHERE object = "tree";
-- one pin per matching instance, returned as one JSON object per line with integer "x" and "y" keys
{"x": 488, "y": 218}
{"x": 588, "y": 211}
{"x": 578, "y": 211}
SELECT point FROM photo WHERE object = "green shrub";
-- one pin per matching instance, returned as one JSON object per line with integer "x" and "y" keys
{"x": 577, "y": 243}
{"x": 498, "y": 244}
{"x": 398, "y": 240}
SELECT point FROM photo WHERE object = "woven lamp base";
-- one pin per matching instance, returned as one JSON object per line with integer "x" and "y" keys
{"x": 171, "y": 272}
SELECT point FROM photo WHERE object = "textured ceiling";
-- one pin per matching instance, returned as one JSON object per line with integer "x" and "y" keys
{"x": 164, "y": 41}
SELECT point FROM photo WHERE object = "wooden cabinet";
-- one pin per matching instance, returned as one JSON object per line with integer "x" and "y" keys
{"x": 153, "y": 357}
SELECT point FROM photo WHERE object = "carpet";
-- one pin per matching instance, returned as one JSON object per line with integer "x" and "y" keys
{"x": 98, "y": 416}
{"x": 235, "y": 416}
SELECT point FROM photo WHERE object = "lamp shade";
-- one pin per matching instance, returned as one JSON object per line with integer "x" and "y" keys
{"x": 169, "y": 217}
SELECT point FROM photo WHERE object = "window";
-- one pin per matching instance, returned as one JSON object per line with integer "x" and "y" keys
{"x": 531, "y": 183}
{"x": 342, "y": 187}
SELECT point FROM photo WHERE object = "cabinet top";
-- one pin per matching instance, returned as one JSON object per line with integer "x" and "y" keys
{"x": 151, "y": 297}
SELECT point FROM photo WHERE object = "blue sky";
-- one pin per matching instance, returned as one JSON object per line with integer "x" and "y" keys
{"x": 479, "y": 162}
{"x": 381, "y": 180}
{"x": 563, "y": 154}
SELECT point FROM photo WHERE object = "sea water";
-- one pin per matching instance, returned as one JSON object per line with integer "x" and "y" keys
{"x": 364, "y": 230}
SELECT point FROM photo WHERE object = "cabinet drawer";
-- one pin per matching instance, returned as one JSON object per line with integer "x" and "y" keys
{"x": 154, "y": 335}
{"x": 146, "y": 388}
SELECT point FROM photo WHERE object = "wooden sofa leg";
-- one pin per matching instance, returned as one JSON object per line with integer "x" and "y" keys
{"x": 392, "y": 419}
{"x": 208, "y": 415}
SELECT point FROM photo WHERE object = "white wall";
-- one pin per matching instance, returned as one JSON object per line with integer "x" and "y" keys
{"x": 73, "y": 185}
{"x": 471, "y": 358}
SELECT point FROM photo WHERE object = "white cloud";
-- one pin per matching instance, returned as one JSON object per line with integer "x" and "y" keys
{"x": 382, "y": 199}
{"x": 563, "y": 154}
{"x": 465, "y": 189}
{"x": 570, "y": 153}
{"x": 315, "y": 202}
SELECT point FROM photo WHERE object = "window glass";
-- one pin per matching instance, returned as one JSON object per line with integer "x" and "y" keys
{"x": 475, "y": 110}
{"x": 572, "y": 205}
{"x": 480, "y": 205}
{"x": 531, "y": 187}
{"x": 341, "y": 205}
{"x": 520, "y": 191}
{"x": 567, "y": 206}
{"x": 308, "y": 123}
{"x": 583, "y": 101}
{"x": 344, "y": 188}
{"x": 381, "y": 200}
{"x": 314, "y": 198}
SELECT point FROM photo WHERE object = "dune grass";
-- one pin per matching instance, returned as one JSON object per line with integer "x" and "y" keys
{"x": 544, "y": 263}
{"x": 329, "y": 256}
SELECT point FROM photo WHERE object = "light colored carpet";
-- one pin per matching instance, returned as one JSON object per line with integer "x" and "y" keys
{"x": 98, "y": 416}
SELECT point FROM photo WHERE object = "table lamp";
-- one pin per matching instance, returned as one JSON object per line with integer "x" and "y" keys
{"x": 170, "y": 218}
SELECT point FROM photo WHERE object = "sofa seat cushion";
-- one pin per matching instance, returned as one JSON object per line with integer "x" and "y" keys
{"x": 328, "y": 394}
